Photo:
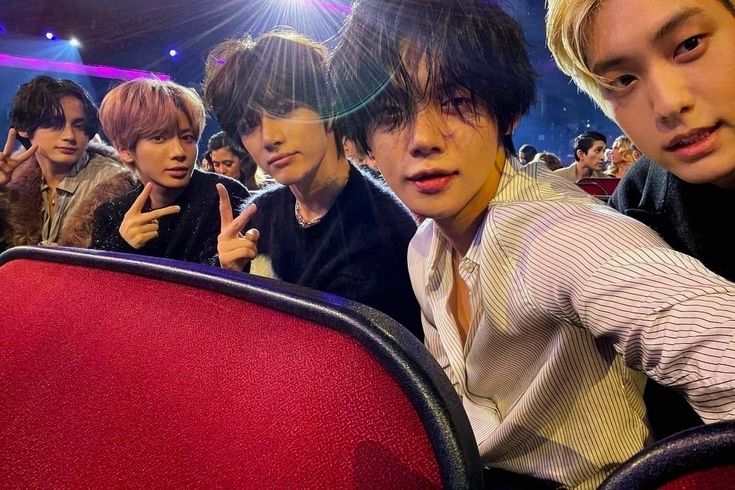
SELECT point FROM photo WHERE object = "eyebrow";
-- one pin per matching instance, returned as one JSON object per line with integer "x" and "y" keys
{"x": 664, "y": 31}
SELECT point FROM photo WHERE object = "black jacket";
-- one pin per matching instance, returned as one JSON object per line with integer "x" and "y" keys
{"x": 358, "y": 250}
{"x": 692, "y": 218}
{"x": 189, "y": 235}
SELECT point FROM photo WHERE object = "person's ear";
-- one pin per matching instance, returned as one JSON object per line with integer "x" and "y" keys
{"x": 580, "y": 154}
{"x": 23, "y": 134}
{"x": 127, "y": 156}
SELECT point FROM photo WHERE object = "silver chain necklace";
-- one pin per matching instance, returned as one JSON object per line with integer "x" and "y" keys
{"x": 303, "y": 223}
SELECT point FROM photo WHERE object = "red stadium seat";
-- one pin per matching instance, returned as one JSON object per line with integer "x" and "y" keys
{"x": 599, "y": 187}
{"x": 121, "y": 373}
{"x": 698, "y": 458}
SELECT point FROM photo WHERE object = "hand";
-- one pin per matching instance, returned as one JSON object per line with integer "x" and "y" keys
{"x": 138, "y": 228}
{"x": 9, "y": 164}
{"x": 234, "y": 248}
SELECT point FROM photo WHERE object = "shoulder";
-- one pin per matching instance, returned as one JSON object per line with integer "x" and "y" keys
{"x": 420, "y": 245}
{"x": 368, "y": 192}
{"x": 644, "y": 177}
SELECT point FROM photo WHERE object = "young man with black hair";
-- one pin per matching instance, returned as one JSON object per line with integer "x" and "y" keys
{"x": 327, "y": 226}
{"x": 589, "y": 157}
{"x": 49, "y": 191}
{"x": 539, "y": 349}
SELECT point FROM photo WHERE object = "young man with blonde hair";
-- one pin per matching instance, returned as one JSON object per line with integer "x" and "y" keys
{"x": 540, "y": 351}
{"x": 155, "y": 126}
{"x": 663, "y": 70}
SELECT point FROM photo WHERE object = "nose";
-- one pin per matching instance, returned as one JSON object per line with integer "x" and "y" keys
{"x": 427, "y": 133}
{"x": 177, "y": 149}
{"x": 68, "y": 134}
{"x": 272, "y": 132}
{"x": 670, "y": 96}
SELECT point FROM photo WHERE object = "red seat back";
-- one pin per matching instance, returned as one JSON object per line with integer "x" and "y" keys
{"x": 698, "y": 458}
{"x": 600, "y": 187}
{"x": 115, "y": 372}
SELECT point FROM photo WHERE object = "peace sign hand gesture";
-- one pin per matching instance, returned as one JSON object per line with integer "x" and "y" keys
{"x": 234, "y": 248}
{"x": 8, "y": 164}
{"x": 138, "y": 228}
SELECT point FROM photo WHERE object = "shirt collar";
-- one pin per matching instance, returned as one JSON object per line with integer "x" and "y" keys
{"x": 440, "y": 247}
{"x": 72, "y": 180}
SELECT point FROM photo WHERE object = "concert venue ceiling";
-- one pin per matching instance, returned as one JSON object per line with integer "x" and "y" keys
{"x": 140, "y": 33}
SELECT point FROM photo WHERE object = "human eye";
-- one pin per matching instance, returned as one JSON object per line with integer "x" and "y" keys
{"x": 188, "y": 138}
{"x": 389, "y": 118}
{"x": 158, "y": 138}
{"x": 458, "y": 104}
{"x": 690, "y": 49}
{"x": 248, "y": 124}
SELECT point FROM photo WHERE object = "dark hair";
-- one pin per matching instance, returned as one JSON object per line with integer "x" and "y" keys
{"x": 276, "y": 73}
{"x": 552, "y": 161}
{"x": 247, "y": 164}
{"x": 222, "y": 140}
{"x": 528, "y": 152}
{"x": 586, "y": 140}
{"x": 465, "y": 44}
{"x": 37, "y": 104}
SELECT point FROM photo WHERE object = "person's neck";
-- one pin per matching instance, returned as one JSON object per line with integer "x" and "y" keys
{"x": 317, "y": 192}
{"x": 461, "y": 228}
{"x": 53, "y": 173}
{"x": 164, "y": 196}
{"x": 583, "y": 171}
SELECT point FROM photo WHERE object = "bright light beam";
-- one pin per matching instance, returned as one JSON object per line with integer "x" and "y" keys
{"x": 101, "y": 71}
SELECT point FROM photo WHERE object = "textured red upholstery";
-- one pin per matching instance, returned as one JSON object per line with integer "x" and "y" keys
{"x": 598, "y": 186}
{"x": 718, "y": 478}
{"x": 129, "y": 381}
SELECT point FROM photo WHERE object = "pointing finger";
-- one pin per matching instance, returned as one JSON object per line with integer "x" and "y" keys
{"x": 140, "y": 201}
{"x": 225, "y": 207}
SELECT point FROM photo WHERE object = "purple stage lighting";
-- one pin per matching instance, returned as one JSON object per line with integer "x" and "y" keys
{"x": 101, "y": 71}
{"x": 50, "y": 36}
{"x": 173, "y": 53}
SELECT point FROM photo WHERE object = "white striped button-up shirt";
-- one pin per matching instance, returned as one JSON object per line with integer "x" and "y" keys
{"x": 543, "y": 375}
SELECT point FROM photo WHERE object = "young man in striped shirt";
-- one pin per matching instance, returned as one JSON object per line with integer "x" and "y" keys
{"x": 536, "y": 332}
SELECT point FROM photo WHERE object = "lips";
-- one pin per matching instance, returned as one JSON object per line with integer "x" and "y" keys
{"x": 178, "y": 172}
{"x": 67, "y": 149}
{"x": 694, "y": 144}
{"x": 431, "y": 181}
{"x": 691, "y": 137}
{"x": 281, "y": 159}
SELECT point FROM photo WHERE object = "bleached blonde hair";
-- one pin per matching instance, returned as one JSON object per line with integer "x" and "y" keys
{"x": 568, "y": 35}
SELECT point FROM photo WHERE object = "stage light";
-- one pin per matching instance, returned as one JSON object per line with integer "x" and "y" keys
{"x": 75, "y": 42}
{"x": 173, "y": 53}
{"x": 50, "y": 36}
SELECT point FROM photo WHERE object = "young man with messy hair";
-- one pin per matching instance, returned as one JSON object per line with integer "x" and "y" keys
{"x": 49, "y": 191}
{"x": 539, "y": 350}
{"x": 663, "y": 70}
{"x": 155, "y": 125}
{"x": 327, "y": 225}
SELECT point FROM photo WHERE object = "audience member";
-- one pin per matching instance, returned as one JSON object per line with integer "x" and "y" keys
{"x": 155, "y": 126}
{"x": 534, "y": 326}
{"x": 49, "y": 191}
{"x": 589, "y": 156}
{"x": 526, "y": 153}
{"x": 621, "y": 157}
{"x": 327, "y": 226}
{"x": 231, "y": 160}
{"x": 551, "y": 161}
{"x": 664, "y": 75}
